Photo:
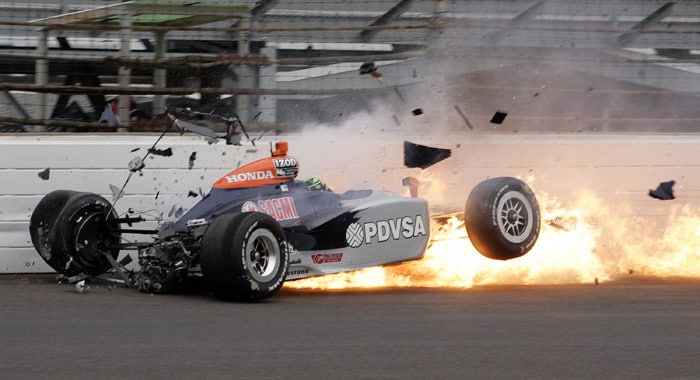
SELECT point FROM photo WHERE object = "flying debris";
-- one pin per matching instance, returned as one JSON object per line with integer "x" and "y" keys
{"x": 371, "y": 69}
{"x": 461, "y": 114}
{"x": 396, "y": 89}
{"x": 234, "y": 128}
{"x": 412, "y": 184}
{"x": 194, "y": 128}
{"x": 134, "y": 150}
{"x": 81, "y": 286}
{"x": 193, "y": 157}
{"x": 161, "y": 152}
{"x": 368, "y": 67}
{"x": 176, "y": 212}
{"x": 136, "y": 164}
{"x": 565, "y": 223}
{"x": 116, "y": 191}
{"x": 498, "y": 117}
{"x": 192, "y": 194}
{"x": 421, "y": 156}
{"x": 664, "y": 191}
{"x": 417, "y": 112}
{"x": 126, "y": 260}
{"x": 44, "y": 174}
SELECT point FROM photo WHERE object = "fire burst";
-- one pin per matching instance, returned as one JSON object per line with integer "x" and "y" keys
{"x": 588, "y": 242}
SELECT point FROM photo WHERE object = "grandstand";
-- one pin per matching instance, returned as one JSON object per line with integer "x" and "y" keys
{"x": 554, "y": 65}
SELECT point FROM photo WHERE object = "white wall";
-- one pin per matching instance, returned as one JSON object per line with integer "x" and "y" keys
{"x": 618, "y": 168}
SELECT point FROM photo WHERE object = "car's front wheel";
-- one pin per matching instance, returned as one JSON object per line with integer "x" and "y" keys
{"x": 244, "y": 256}
{"x": 73, "y": 232}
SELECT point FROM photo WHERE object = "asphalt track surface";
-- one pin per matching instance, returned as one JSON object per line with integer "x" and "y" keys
{"x": 632, "y": 329}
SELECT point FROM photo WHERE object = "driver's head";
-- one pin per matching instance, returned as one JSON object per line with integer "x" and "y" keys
{"x": 315, "y": 184}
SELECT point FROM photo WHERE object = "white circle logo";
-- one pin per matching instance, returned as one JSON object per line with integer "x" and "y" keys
{"x": 249, "y": 206}
{"x": 354, "y": 235}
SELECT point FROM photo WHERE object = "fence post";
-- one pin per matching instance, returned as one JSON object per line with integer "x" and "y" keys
{"x": 41, "y": 76}
{"x": 245, "y": 74}
{"x": 160, "y": 75}
{"x": 124, "y": 71}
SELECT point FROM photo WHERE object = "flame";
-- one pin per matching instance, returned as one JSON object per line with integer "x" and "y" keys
{"x": 590, "y": 241}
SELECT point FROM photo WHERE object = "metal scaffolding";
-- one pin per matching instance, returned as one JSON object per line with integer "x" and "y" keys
{"x": 154, "y": 16}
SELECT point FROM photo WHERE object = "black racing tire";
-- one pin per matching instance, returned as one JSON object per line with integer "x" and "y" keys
{"x": 43, "y": 219}
{"x": 502, "y": 218}
{"x": 244, "y": 256}
{"x": 85, "y": 229}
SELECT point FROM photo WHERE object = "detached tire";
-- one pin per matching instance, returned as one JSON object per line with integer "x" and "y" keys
{"x": 502, "y": 218}
{"x": 244, "y": 256}
{"x": 84, "y": 231}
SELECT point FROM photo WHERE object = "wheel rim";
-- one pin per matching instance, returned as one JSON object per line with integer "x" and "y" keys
{"x": 262, "y": 255}
{"x": 514, "y": 217}
{"x": 89, "y": 239}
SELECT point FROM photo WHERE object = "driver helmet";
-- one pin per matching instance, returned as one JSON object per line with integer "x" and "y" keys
{"x": 315, "y": 184}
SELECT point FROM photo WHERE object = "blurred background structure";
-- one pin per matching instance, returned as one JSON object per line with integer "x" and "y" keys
{"x": 548, "y": 65}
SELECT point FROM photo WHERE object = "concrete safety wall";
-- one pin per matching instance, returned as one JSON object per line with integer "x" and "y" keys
{"x": 617, "y": 167}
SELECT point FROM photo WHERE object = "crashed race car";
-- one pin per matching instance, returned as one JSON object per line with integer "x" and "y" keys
{"x": 260, "y": 226}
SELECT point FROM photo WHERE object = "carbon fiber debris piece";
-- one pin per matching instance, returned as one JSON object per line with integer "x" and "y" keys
{"x": 664, "y": 191}
{"x": 44, "y": 174}
{"x": 498, "y": 117}
{"x": 421, "y": 156}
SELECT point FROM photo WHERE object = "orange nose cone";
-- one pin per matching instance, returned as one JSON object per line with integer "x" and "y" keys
{"x": 280, "y": 148}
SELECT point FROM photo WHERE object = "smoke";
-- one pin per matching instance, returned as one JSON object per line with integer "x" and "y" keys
{"x": 613, "y": 229}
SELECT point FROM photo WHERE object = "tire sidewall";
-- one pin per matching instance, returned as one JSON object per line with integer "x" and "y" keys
{"x": 63, "y": 235}
{"x": 485, "y": 225}
{"x": 250, "y": 227}
{"x": 223, "y": 257}
{"x": 42, "y": 222}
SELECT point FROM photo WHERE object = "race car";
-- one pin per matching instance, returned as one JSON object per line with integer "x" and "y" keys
{"x": 260, "y": 226}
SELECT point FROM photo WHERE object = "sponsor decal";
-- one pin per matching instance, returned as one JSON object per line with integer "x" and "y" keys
{"x": 324, "y": 258}
{"x": 285, "y": 162}
{"x": 382, "y": 230}
{"x": 278, "y": 208}
{"x": 297, "y": 271}
{"x": 249, "y": 206}
{"x": 286, "y": 167}
{"x": 249, "y": 176}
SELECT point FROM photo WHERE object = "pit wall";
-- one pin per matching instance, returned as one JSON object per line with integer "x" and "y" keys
{"x": 616, "y": 167}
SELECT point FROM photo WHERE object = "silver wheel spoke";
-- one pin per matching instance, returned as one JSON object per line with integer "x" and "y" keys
{"x": 513, "y": 217}
{"x": 263, "y": 255}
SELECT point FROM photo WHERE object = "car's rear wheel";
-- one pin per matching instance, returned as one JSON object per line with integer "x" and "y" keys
{"x": 244, "y": 256}
{"x": 82, "y": 233}
{"x": 502, "y": 218}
